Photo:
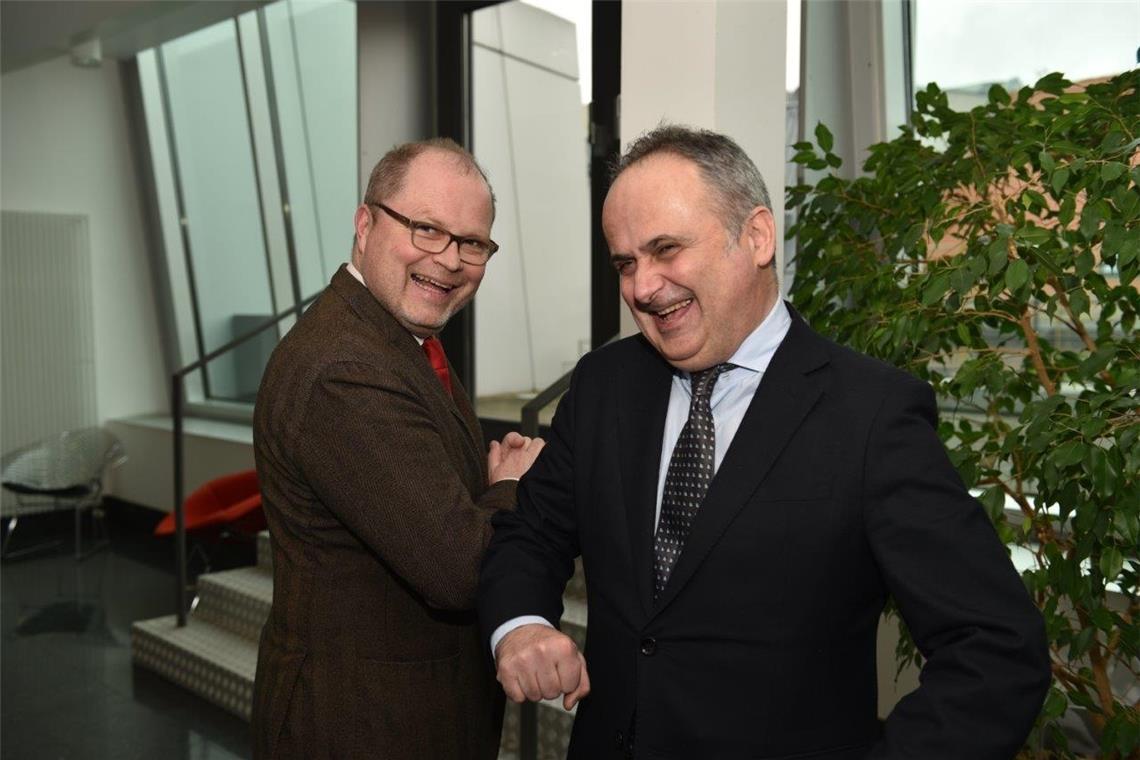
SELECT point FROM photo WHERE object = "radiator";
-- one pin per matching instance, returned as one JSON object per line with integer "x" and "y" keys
{"x": 47, "y": 351}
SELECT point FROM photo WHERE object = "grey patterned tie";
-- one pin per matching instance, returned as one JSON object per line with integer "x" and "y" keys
{"x": 687, "y": 479}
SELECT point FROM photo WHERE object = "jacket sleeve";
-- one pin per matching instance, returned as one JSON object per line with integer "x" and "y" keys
{"x": 986, "y": 666}
{"x": 531, "y": 556}
{"x": 375, "y": 456}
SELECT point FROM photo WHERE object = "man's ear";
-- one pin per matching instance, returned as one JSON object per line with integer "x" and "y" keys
{"x": 759, "y": 234}
{"x": 362, "y": 222}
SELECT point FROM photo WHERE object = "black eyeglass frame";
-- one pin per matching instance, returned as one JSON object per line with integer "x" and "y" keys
{"x": 459, "y": 240}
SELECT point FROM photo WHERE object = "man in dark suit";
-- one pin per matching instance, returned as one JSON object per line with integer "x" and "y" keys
{"x": 378, "y": 489}
{"x": 745, "y": 495}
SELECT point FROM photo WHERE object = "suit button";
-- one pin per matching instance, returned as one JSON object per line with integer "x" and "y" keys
{"x": 649, "y": 646}
{"x": 619, "y": 740}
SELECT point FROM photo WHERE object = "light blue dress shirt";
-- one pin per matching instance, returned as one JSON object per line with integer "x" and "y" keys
{"x": 730, "y": 399}
{"x": 731, "y": 395}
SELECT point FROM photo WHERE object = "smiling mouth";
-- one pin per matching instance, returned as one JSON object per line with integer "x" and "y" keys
{"x": 432, "y": 285}
{"x": 670, "y": 312}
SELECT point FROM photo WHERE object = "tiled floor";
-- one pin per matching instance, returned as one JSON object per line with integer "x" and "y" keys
{"x": 67, "y": 686}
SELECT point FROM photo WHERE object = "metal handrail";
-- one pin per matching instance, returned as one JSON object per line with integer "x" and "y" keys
{"x": 530, "y": 410}
{"x": 176, "y": 403}
{"x": 528, "y": 711}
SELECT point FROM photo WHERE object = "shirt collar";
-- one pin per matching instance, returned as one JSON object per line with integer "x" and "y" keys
{"x": 756, "y": 352}
{"x": 352, "y": 270}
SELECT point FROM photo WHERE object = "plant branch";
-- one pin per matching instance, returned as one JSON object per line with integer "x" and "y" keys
{"x": 1035, "y": 354}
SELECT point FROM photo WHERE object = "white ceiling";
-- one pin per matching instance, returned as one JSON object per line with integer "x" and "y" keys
{"x": 32, "y": 31}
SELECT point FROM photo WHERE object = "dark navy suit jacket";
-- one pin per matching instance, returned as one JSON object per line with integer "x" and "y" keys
{"x": 835, "y": 493}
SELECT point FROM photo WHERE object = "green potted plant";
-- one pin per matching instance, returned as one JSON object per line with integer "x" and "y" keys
{"x": 994, "y": 253}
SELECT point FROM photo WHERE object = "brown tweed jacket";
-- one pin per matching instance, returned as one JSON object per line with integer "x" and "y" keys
{"x": 374, "y": 485}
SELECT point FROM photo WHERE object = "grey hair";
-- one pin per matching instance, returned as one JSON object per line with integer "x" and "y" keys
{"x": 729, "y": 172}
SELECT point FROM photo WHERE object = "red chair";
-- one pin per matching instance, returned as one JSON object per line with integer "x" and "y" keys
{"x": 231, "y": 503}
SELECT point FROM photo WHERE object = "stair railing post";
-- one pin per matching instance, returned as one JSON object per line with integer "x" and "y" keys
{"x": 179, "y": 515}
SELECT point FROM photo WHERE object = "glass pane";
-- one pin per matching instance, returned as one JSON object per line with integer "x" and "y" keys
{"x": 312, "y": 58}
{"x": 532, "y": 314}
{"x": 211, "y": 143}
{"x": 967, "y": 46}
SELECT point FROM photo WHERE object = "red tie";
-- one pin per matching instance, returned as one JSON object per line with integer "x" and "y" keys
{"x": 434, "y": 350}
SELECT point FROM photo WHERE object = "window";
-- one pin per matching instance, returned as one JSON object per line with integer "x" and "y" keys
{"x": 252, "y": 131}
{"x": 969, "y": 45}
{"x": 530, "y": 132}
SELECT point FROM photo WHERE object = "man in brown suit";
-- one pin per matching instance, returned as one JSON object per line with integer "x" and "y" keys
{"x": 378, "y": 491}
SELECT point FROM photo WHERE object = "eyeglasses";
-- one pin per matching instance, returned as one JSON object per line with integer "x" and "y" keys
{"x": 431, "y": 239}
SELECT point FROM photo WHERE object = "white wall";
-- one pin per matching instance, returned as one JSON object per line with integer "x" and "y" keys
{"x": 730, "y": 78}
{"x": 65, "y": 149}
{"x": 210, "y": 449}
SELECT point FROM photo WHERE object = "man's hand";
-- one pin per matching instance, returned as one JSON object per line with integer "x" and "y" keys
{"x": 539, "y": 662}
{"x": 513, "y": 457}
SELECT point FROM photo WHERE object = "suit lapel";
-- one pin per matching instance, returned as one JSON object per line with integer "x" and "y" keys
{"x": 443, "y": 405}
{"x": 466, "y": 416}
{"x": 787, "y": 393}
{"x": 365, "y": 305}
{"x": 641, "y": 426}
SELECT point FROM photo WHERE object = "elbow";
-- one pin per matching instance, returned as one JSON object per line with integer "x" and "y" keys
{"x": 454, "y": 591}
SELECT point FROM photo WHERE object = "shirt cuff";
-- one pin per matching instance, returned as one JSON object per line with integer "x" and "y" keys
{"x": 513, "y": 623}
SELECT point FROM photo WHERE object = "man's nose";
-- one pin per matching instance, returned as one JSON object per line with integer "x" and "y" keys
{"x": 647, "y": 281}
{"x": 449, "y": 257}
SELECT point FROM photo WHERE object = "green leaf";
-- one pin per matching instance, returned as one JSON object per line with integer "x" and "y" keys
{"x": 1060, "y": 177}
{"x": 1112, "y": 170}
{"x": 997, "y": 256}
{"x": 1090, "y": 220}
{"x": 998, "y": 95}
{"x": 1068, "y": 210}
{"x": 1016, "y": 274}
{"x": 1069, "y": 453}
{"x": 1034, "y": 235}
{"x": 1081, "y": 643}
{"x": 1079, "y": 302}
{"x": 1112, "y": 141}
{"x": 824, "y": 138}
{"x": 1054, "y": 83}
{"x": 1055, "y": 704}
{"x": 1085, "y": 262}
{"x": 1046, "y": 160}
{"x": 1098, "y": 361}
{"x": 935, "y": 289}
{"x": 1091, "y": 426}
{"x": 1128, "y": 526}
{"x": 1111, "y": 563}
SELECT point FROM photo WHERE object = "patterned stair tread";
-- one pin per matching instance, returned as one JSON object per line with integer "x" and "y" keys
{"x": 574, "y": 611}
{"x": 237, "y": 600}
{"x": 253, "y": 582}
{"x": 554, "y": 727}
{"x": 198, "y": 639}
{"x": 576, "y": 586}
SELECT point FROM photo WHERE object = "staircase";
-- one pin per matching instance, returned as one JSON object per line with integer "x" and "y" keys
{"x": 215, "y": 654}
